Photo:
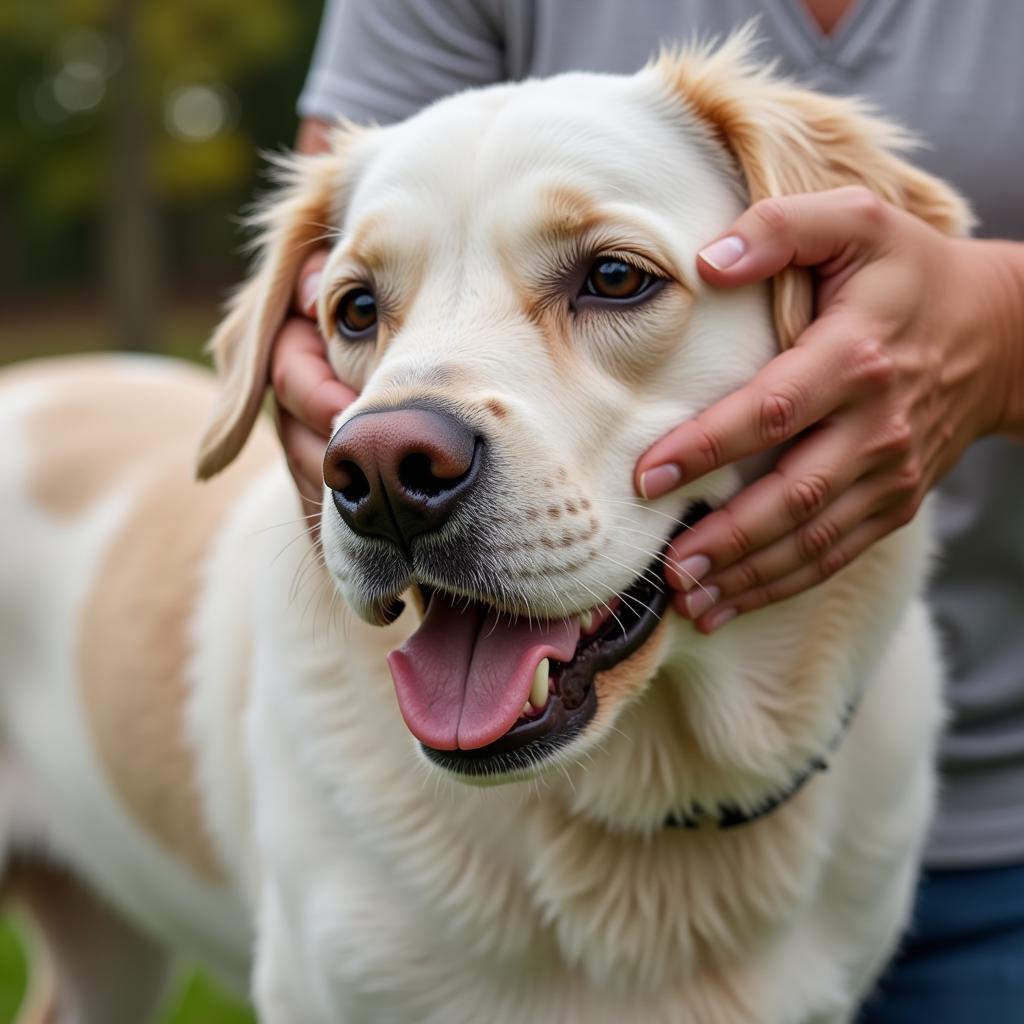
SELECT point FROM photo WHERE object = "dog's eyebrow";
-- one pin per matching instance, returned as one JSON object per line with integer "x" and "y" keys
{"x": 366, "y": 244}
{"x": 569, "y": 210}
{"x": 571, "y": 216}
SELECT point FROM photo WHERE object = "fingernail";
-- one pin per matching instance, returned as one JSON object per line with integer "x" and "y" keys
{"x": 692, "y": 570}
{"x": 310, "y": 290}
{"x": 720, "y": 618}
{"x": 660, "y": 480}
{"x": 724, "y": 253}
{"x": 700, "y": 601}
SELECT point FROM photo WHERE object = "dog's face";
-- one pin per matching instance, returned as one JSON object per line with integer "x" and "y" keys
{"x": 515, "y": 296}
{"x": 512, "y": 288}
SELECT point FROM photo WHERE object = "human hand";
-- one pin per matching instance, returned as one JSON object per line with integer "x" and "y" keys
{"x": 308, "y": 395}
{"x": 882, "y": 393}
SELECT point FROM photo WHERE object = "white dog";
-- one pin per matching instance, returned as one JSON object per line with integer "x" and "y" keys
{"x": 203, "y": 748}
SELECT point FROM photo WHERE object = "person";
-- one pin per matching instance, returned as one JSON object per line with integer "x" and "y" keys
{"x": 941, "y": 320}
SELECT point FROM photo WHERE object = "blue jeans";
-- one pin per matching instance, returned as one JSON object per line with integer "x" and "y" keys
{"x": 963, "y": 961}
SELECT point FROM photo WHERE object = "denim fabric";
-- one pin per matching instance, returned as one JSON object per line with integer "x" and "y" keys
{"x": 963, "y": 961}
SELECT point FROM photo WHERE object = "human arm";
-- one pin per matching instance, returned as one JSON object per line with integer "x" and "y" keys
{"x": 917, "y": 350}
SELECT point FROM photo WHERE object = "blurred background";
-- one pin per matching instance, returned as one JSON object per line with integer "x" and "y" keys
{"x": 130, "y": 140}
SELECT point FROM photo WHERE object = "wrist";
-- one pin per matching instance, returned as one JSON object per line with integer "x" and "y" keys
{"x": 997, "y": 330}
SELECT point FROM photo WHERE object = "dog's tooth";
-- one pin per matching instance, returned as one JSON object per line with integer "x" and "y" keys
{"x": 586, "y": 621}
{"x": 539, "y": 689}
{"x": 527, "y": 708}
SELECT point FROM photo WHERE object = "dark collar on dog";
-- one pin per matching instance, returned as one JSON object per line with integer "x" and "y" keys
{"x": 731, "y": 816}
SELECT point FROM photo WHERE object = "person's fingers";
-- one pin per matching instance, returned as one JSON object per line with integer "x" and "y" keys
{"x": 806, "y": 482}
{"x": 795, "y": 390}
{"x": 305, "y": 453}
{"x": 795, "y": 491}
{"x": 307, "y": 284}
{"x": 808, "y": 575}
{"x": 302, "y": 379}
{"x": 813, "y": 229}
{"x": 807, "y": 544}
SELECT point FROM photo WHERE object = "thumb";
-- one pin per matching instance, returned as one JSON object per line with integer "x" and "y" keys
{"x": 804, "y": 230}
{"x": 307, "y": 284}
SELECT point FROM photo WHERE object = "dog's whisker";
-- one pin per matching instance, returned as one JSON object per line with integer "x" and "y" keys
{"x": 298, "y": 577}
{"x": 646, "y": 574}
{"x": 601, "y": 603}
{"x": 633, "y": 601}
{"x": 669, "y": 564}
{"x": 294, "y": 540}
{"x": 287, "y": 522}
{"x": 638, "y": 505}
{"x": 309, "y": 568}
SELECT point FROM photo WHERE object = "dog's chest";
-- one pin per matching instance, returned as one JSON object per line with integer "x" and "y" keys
{"x": 427, "y": 899}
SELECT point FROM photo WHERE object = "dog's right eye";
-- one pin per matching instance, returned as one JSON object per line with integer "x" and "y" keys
{"x": 356, "y": 317}
{"x": 613, "y": 282}
{"x": 615, "y": 279}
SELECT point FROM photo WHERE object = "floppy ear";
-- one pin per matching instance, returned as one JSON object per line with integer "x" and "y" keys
{"x": 303, "y": 209}
{"x": 787, "y": 140}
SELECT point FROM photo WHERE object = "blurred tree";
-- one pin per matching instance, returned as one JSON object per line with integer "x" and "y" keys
{"x": 135, "y": 133}
{"x": 132, "y": 244}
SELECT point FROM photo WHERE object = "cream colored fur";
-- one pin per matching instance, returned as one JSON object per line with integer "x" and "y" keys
{"x": 357, "y": 882}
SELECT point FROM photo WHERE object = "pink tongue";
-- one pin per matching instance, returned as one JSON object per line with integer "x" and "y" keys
{"x": 462, "y": 678}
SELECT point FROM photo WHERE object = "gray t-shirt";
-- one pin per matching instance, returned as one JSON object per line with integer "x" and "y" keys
{"x": 949, "y": 70}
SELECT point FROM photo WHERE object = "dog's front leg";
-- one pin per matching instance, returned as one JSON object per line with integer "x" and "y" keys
{"x": 276, "y": 977}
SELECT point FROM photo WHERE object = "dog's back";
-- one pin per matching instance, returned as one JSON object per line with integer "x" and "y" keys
{"x": 104, "y": 542}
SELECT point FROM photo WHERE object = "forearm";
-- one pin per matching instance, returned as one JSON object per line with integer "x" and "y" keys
{"x": 1001, "y": 312}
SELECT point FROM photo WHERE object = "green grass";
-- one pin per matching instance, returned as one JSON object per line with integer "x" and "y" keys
{"x": 194, "y": 998}
{"x": 12, "y": 974}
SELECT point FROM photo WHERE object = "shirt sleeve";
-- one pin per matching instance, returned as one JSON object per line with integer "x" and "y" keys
{"x": 382, "y": 60}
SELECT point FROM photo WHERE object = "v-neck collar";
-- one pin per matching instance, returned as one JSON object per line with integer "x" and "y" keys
{"x": 852, "y": 34}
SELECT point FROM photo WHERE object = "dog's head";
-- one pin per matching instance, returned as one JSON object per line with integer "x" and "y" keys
{"x": 512, "y": 288}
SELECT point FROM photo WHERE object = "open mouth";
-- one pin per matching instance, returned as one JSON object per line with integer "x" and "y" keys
{"x": 487, "y": 693}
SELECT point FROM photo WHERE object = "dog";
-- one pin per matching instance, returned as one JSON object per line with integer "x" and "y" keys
{"x": 455, "y": 764}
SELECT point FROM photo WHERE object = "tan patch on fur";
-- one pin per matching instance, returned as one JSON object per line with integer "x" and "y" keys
{"x": 787, "y": 141}
{"x": 374, "y": 247}
{"x": 103, "y": 430}
{"x": 624, "y": 681}
{"x": 555, "y": 329}
{"x": 80, "y": 454}
{"x": 569, "y": 212}
{"x": 496, "y": 409}
{"x": 368, "y": 243}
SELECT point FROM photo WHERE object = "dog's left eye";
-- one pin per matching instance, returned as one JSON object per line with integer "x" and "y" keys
{"x": 610, "y": 278}
{"x": 357, "y": 314}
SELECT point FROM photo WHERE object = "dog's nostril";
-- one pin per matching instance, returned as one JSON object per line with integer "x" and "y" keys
{"x": 354, "y": 484}
{"x": 417, "y": 476}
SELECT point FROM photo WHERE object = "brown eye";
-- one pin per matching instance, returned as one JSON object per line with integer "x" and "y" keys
{"x": 357, "y": 313}
{"x": 615, "y": 279}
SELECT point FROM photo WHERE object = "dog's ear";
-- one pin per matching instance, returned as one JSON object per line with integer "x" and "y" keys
{"x": 787, "y": 140}
{"x": 302, "y": 210}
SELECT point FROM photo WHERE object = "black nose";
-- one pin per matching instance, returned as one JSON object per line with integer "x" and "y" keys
{"x": 400, "y": 473}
